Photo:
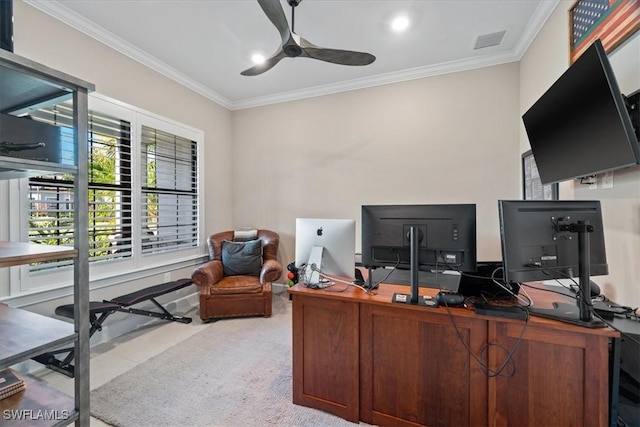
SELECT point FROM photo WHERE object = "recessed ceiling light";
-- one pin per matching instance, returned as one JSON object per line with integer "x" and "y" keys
{"x": 400, "y": 24}
{"x": 258, "y": 59}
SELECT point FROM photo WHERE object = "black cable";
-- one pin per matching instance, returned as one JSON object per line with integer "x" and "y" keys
{"x": 553, "y": 291}
{"x": 508, "y": 288}
{"x": 508, "y": 360}
{"x": 633, "y": 315}
{"x": 375, "y": 286}
{"x": 547, "y": 271}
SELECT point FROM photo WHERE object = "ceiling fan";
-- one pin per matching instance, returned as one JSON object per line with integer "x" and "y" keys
{"x": 294, "y": 45}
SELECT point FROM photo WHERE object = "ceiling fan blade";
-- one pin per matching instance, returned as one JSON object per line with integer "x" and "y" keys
{"x": 268, "y": 64}
{"x": 274, "y": 12}
{"x": 293, "y": 45}
{"x": 338, "y": 56}
{"x": 335, "y": 56}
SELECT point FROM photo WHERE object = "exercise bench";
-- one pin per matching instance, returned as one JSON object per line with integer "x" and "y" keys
{"x": 99, "y": 311}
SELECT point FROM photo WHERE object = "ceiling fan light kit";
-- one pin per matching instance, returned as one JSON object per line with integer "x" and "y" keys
{"x": 294, "y": 46}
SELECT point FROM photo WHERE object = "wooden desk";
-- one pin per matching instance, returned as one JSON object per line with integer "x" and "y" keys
{"x": 361, "y": 357}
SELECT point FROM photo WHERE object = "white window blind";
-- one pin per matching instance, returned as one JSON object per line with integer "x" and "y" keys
{"x": 169, "y": 191}
{"x": 110, "y": 191}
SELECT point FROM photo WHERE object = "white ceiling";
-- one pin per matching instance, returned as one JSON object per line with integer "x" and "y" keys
{"x": 205, "y": 44}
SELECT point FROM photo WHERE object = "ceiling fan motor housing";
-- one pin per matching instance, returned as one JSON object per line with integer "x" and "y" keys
{"x": 295, "y": 46}
{"x": 292, "y": 50}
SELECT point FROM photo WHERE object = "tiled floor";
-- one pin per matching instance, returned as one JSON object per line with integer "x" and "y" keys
{"x": 110, "y": 359}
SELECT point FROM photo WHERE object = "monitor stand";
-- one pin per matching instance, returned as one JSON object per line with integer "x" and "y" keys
{"x": 314, "y": 266}
{"x": 567, "y": 313}
{"x": 414, "y": 298}
{"x": 580, "y": 313}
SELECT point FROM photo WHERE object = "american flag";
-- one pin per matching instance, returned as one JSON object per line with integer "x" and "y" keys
{"x": 608, "y": 20}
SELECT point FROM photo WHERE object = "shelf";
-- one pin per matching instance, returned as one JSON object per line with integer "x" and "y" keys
{"x": 38, "y": 405}
{"x": 27, "y": 86}
{"x": 13, "y": 167}
{"x": 23, "y": 85}
{"x": 26, "y": 335}
{"x": 20, "y": 253}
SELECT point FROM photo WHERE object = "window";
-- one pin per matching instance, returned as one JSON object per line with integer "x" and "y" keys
{"x": 532, "y": 187}
{"x": 169, "y": 191}
{"x": 110, "y": 193}
{"x": 143, "y": 198}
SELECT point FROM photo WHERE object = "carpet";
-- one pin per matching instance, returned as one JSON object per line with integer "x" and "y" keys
{"x": 236, "y": 372}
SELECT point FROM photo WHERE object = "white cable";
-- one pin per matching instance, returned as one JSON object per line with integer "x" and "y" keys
{"x": 333, "y": 279}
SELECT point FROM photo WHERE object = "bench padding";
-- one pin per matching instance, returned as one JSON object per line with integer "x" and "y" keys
{"x": 95, "y": 307}
{"x": 150, "y": 292}
{"x": 99, "y": 311}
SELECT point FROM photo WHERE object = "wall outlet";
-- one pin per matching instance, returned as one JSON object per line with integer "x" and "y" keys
{"x": 607, "y": 180}
{"x": 167, "y": 277}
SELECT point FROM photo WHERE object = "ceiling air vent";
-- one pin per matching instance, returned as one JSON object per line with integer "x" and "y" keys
{"x": 488, "y": 40}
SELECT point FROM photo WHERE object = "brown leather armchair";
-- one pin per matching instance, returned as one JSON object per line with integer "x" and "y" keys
{"x": 237, "y": 295}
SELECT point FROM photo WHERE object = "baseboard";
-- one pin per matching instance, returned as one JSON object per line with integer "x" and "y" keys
{"x": 279, "y": 287}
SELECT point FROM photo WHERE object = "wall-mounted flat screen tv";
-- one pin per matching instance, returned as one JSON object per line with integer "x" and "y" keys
{"x": 580, "y": 126}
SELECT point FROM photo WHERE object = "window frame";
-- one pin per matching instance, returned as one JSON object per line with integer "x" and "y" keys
{"x": 48, "y": 193}
{"x": 22, "y": 282}
{"x": 158, "y": 125}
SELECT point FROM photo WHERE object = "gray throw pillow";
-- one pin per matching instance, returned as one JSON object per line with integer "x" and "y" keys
{"x": 242, "y": 258}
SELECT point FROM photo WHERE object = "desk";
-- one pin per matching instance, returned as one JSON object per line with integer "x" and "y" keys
{"x": 626, "y": 371}
{"x": 363, "y": 358}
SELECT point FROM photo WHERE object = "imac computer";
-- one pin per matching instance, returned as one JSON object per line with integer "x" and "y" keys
{"x": 326, "y": 247}
{"x": 432, "y": 238}
{"x": 546, "y": 240}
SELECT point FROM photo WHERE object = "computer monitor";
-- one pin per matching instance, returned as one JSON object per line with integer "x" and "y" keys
{"x": 581, "y": 126}
{"x": 445, "y": 238}
{"x": 543, "y": 240}
{"x": 330, "y": 244}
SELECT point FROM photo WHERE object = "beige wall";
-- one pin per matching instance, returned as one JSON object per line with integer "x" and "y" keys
{"x": 544, "y": 62}
{"x": 455, "y": 138}
{"x": 444, "y": 139}
{"x": 48, "y": 41}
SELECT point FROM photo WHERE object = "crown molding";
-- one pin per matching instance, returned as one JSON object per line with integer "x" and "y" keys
{"x": 537, "y": 21}
{"x": 379, "y": 80}
{"x": 60, "y": 12}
